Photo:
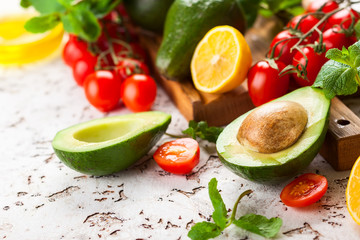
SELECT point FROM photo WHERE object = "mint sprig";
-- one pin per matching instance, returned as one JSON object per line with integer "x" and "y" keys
{"x": 257, "y": 224}
{"x": 203, "y": 131}
{"x": 341, "y": 74}
{"x": 77, "y": 17}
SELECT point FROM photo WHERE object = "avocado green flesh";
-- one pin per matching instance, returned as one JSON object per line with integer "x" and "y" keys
{"x": 286, "y": 163}
{"x": 108, "y": 145}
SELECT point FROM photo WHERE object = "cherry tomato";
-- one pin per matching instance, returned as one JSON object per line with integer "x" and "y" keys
{"x": 74, "y": 50}
{"x": 102, "y": 90}
{"x": 332, "y": 38}
{"x": 306, "y": 23}
{"x": 129, "y": 66}
{"x": 327, "y": 6}
{"x": 82, "y": 68}
{"x": 179, "y": 156}
{"x": 284, "y": 47}
{"x": 344, "y": 18}
{"x": 264, "y": 83}
{"x": 304, "y": 190}
{"x": 315, "y": 62}
{"x": 138, "y": 92}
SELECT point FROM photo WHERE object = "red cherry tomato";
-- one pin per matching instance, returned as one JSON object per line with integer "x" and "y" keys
{"x": 179, "y": 156}
{"x": 74, "y": 50}
{"x": 129, "y": 66}
{"x": 332, "y": 38}
{"x": 306, "y": 23}
{"x": 138, "y": 92}
{"x": 102, "y": 90}
{"x": 327, "y": 6}
{"x": 82, "y": 68}
{"x": 315, "y": 62}
{"x": 304, "y": 190}
{"x": 264, "y": 83}
{"x": 344, "y": 18}
{"x": 284, "y": 46}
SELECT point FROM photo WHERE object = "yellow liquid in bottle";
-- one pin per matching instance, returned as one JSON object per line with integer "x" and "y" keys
{"x": 17, "y": 46}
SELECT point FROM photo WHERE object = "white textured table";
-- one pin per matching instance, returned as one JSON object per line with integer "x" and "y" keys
{"x": 43, "y": 199}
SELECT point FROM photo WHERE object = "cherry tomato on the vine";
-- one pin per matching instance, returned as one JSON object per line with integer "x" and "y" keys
{"x": 264, "y": 83}
{"x": 327, "y": 6}
{"x": 333, "y": 38}
{"x": 138, "y": 92}
{"x": 315, "y": 62}
{"x": 179, "y": 156}
{"x": 304, "y": 24}
{"x": 102, "y": 89}
{"x": 129, "y": 66}
{"x": 74, "y": 50}
{"x": 82, "y": 68}
{"x": 304, "y": 190}
{"x": 344, "y": 18}
{"x": 284, "y": 46}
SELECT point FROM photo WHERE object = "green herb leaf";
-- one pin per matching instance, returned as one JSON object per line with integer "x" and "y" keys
{"x": 339, "y": 56}
{"x": 47, "y": 6}
{"x": 42, "y": 23}
{"x": 25, "y": 3}
{"x": 83, "y": 23}
{"x": 220, "y": 213}
{"x": 357, "y": 30}
{"x": 103, "y": 7}
{"x": 203, "y": 131}
{"x": 337, "y": 79}
{"x": 354, "y": 54}
{"x": 260, "y": 225}
{"x": 249, "y": 9}
{"x": 204, "y": 231}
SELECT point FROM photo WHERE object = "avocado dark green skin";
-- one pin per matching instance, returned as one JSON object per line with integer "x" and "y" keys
{"x": 186, "y": 24}
{"x": 106, "y": 160}
{"x": 148, "y": 14}
{"x": 278, "y": 173}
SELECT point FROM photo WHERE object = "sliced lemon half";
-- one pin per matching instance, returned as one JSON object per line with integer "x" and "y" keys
{"x": 221, "y": 60}
{"x": 353, "y": 193}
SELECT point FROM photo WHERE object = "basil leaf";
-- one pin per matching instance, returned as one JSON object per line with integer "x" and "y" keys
{"x": 204, "y": 231}
{"x": 260, "y": 225}
{"x": 47, "y": 6}
{"x": 42, "y": 23}
{"x": 220, "y": 213}
{"x": 83, "y": 23}
{"x": 337, "y": 79}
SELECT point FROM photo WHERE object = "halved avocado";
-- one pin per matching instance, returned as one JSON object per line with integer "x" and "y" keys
{"x": 108, "y": 145}
{"x": 275, "y": 167}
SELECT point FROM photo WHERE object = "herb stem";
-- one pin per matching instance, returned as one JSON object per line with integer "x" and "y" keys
{"x": 233, "y": 214}
{"x": 175, "y": 136}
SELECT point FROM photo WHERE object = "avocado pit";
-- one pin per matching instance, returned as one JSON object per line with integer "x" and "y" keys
{"x": 273, "y": 127}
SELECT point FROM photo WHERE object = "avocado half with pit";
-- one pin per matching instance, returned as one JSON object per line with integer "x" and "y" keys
{"x": 108, "y": 145}
{"x": 278, "y": 139}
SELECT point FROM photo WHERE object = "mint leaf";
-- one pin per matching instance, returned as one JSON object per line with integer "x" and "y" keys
{"x": 204, "y": 231}
{"x": 357, "y": 30}
{"x": 260, "y": 225}
{"x": 42, "y": 23}
{"x": 203, "y": 131}
{"x": 83, "y": 23}
{"x": 354, "y": 51}
{"x": 338, "y": 55}
{"x": 220, "y": 213}
{"x": 25, "y": 3}
{"x": 47, "y": 6}
{"x": 337, "y": 79}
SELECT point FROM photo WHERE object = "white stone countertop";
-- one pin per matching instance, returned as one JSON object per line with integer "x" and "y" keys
{"x": 41, "y": 198}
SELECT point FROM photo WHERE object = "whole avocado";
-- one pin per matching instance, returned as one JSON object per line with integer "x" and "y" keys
{"x": 186, "y": 24}
{"x": 148, "y": 14}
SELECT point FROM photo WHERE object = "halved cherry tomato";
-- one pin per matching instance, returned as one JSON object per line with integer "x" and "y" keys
{"x": 102, "y": 89}
{"x": 315, "y": 62}
{"x": 130, "y": 66}
{"x": 74, "y": 50}
{"x": 344, "y": 18}
{"x": 264, "y": 83}
{"x": 179, "y": 156}
{"x": 304, "y": 190}
{"x": 138, "y": 92}
{"x": 284, "y": 46}
{"x": 327, "y": 6}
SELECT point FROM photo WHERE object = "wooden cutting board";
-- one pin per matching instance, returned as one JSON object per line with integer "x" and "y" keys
{"x": 342, "y": 144}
